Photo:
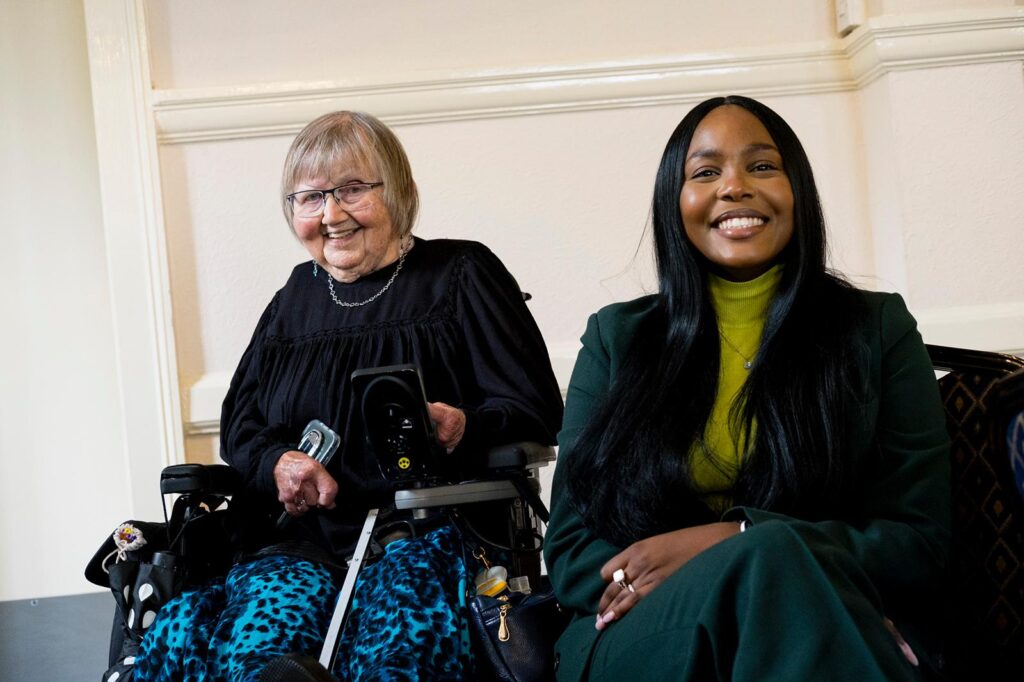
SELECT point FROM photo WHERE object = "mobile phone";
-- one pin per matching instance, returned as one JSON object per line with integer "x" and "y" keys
{"x": 399, "y": 433}
{"x": 319, "y": 442}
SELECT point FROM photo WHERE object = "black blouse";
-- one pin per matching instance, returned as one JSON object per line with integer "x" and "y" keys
{"x": 454, "y": 310}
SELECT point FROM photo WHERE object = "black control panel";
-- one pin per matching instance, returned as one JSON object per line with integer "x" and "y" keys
{"x": 398, "y": 428}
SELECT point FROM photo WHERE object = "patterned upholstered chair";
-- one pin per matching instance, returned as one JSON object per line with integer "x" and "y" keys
{"x": 1015, "y": 446}
{"x": 987, "y": 592}
{"x": 1008, "y": 415}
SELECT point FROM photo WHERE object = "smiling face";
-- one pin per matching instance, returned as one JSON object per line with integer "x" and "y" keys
{"x": 349, "y": 242}
{"x": 736, "y": 202}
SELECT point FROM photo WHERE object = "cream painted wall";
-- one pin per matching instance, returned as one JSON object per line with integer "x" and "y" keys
{"x": 969, "y": 145}
{"x": 555, "y": 175}
{"x": 63, "y": 474}
{"x": 942, "y": 199}
{"x": 197, "y": 44}
{"x": 562, "y": 199}
{"x": 896, "y": 7}
{"x": 535, "y": 128}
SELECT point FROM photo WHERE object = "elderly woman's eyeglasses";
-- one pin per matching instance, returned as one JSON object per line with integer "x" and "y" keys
{"x": 310, "y": 203}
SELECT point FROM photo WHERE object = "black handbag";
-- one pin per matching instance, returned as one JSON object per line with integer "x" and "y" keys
{"x": 515, "y": 633}
{"x": 142, "y": 580}
{"x": 146, "y": 564}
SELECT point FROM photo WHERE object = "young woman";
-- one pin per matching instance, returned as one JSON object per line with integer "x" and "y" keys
{"x": 753, "y": 473}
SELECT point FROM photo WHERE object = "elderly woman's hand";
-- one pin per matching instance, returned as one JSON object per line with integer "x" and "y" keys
{"x": 647, "y": 563}
{"x": 303, "y": 483}
{"x": 451, "y": 424}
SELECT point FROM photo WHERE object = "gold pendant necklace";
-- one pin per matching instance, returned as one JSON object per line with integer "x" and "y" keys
{"x": 747, "y": 362}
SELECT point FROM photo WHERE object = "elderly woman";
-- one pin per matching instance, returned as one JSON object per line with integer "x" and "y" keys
{"x": 753, "y": 479}
{"x": 372, "y": 295}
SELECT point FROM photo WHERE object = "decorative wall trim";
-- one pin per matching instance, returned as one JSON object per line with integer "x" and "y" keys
{"x": 208, "y": 427}
{"x": 135, "y": 244}
{"x": 282, "y": 109}
{"x": 205, "y": 398}
{"x": 961, "y": 37}
{"x": 880, "y": 46}
{"x": 207, "y": 394}
{"x": 997, "y": 327}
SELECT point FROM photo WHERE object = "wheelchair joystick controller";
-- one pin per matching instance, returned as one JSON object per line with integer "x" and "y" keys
{"x": 399, "y": 432}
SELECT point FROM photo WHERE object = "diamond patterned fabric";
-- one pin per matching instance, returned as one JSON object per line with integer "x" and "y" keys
{"x": 987, "y": 599}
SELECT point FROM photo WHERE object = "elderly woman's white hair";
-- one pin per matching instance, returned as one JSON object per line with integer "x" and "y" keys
{"x": 348, "y": 138}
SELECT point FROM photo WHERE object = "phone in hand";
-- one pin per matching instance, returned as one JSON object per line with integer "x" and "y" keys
{"x": 319, "y": 442}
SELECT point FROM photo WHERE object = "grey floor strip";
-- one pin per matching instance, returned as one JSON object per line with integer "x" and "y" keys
{"x": 63, "y": 639}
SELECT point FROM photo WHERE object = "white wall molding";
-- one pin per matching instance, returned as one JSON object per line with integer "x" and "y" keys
{"x": 135, "y": 244}
{"x": 882, "y": 45}
{"x": 227, "y": 113}
{"x": 205, "y": 398}
{"x": 207, "y": 394}
{"x": 208, "y": 427}
{"x": 981, "y": 36}
{"x": 996, "y": 326}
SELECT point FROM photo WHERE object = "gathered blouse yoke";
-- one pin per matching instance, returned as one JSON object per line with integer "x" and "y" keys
{"x": 453, "y": 310}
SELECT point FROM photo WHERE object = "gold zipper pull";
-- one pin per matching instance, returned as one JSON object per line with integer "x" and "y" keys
{"x": 503, "y": 634}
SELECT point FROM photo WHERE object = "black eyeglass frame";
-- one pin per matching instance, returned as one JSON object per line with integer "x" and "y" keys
{"x": 368, "y": 185}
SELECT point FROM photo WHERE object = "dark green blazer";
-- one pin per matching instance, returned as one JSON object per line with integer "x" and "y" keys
{"x": 898, "y": 533}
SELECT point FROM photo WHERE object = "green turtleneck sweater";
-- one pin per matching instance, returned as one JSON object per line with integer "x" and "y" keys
{"x": 741, "y": 308}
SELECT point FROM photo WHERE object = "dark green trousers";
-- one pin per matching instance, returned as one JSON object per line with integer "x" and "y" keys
{"x": 778, "y": 602}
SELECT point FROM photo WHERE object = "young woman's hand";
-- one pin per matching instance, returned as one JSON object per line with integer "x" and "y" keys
{"x": 450, "y": 421}
{"x": 647, "y": 563}
{"x": 303, "y": 483}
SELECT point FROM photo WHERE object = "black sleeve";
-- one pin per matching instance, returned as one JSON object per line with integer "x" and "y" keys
{"x": 247, "y": 442}
{"x": 519, "y": 398}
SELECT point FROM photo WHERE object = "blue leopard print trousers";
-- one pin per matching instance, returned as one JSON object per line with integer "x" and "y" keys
{"x": 408, "y": 619}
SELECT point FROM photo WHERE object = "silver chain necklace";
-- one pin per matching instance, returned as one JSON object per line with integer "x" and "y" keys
{"x": 747, "y": 363}
{"x": 346, "y": 304}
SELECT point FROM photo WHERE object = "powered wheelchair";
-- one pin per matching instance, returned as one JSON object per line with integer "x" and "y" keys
{"x": 145, "y": 564}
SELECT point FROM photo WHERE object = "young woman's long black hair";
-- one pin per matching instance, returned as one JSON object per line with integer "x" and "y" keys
{"x": 629, "y": 471}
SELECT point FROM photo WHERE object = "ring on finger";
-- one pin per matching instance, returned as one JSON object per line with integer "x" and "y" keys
{"x": 619, "y": 576}
{"x": 300, "y": 502}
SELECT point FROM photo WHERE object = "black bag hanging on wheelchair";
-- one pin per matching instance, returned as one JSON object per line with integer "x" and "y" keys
{"x": 146, "y": 564}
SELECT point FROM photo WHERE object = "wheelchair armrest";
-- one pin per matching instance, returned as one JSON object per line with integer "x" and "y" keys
{"x": 218, "y": 479}
{"x": 521, "y": 455}
{"x": 467, "y": 492}
{"x": 501, "y": 465}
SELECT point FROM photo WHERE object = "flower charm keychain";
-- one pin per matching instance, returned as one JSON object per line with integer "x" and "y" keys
{"x": 127, "y": 538}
